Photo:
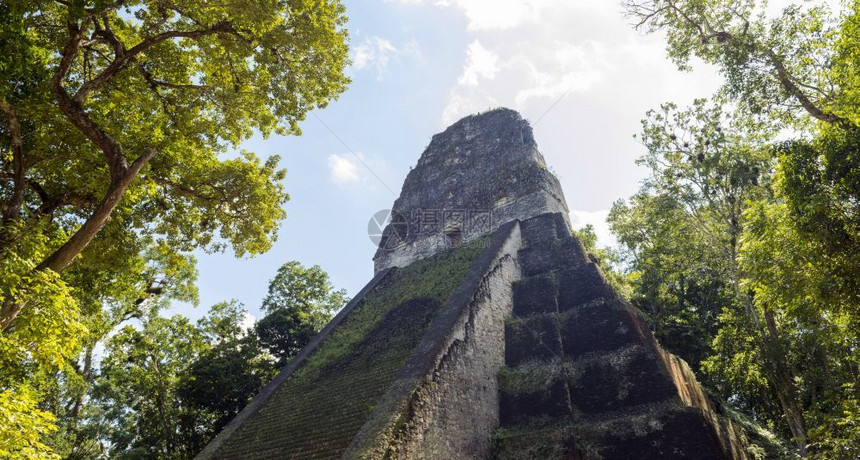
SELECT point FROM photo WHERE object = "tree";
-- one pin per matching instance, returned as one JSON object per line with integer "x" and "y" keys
{"x": 152, "y": 92}
{"x": 223, "y": 378}
{"x": 685, "y": 234}
{"x": 794, "y": 280}
{"x": 118, "y": 122}
{"x": 782, "y": 66}
{"x": 143, "y": 417}
{"x": 233, "y": 363}
{"x": 24, "y": 426}
{"x": 299, "y": 303}
{"x": 681, "y": 231}
{"x": 795, "y": 260}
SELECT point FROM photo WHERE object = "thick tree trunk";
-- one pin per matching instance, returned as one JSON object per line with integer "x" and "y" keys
{"x": 62, "y": 257}
{"x": 784, "y": 384}
{"x": 776, "y": 369}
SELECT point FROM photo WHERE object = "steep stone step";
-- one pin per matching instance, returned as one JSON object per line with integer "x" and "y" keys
{"x": 580, "y": 284}
{"x": 533, "y": 338}
{"x": 542, "y": 230}
{"x": 533, "y": 393}
{"x": 612, "y": 381}
{"x": 603, "y": 324}
{"x": 584, "y": 377}
{"x": 556, "y": 441}
{"x": 552, "y": 255}
{"x": 670, "y": 433}
{"x": 536, "y": 294}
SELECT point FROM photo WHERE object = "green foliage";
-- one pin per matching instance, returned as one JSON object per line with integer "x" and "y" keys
{"x": 23, "y": 426}
{"x": 299, "y": 303}
{"x": 778, "y": 252}
{"x": 283, "y": 333}
{"x": 40, "y": 343}
{"x": 846, "y": 65}
{"x": 809, "y": 283}
{"x": 225, "y": 376}
{"x": 309, "y": 290}
{"x": 680, "y": 233}
{"x": 779, "y": 68}
{"x": 166, "y": 386}
{"x": 219, "y": 383}
{"x": 118, "y": 128}
{"x": 137, "y": 387}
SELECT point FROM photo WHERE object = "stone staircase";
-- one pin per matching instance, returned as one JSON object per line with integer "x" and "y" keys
{"x": 583, "y": 376}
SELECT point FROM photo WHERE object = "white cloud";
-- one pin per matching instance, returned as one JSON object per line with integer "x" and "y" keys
{"x": 376, "y": 53}
{"x": 579, "y": 72}
{"x": 528, "y": 71}
{"x": 564, "y": 67}
{"x": 495, "y": 14}
{"x": 344, "y": 169}
{"x": 484, "y": 15}
{"x": 462, "y": 103}
{"x": 348, "y": 169}
{"x": 525, "y": 54}
{"x": 480, "y": 63}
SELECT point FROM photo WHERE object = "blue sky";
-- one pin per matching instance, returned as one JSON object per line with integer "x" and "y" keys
{"x": 573, "y": 66}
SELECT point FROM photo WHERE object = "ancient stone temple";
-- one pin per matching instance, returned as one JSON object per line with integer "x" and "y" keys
{"x": 486, "y": 332}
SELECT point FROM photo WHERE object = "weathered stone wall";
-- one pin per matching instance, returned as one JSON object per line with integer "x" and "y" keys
{"x": 460, "y": 408}
{"x": 480, "y": 173}
{"x": 584, "y": 377}
{"x": 445, "y": 403}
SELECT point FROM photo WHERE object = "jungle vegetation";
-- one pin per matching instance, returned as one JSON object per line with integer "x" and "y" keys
{"x": 743, "y": 243}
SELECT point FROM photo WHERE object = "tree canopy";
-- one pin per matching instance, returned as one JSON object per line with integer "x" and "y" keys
{"x": 119, "y": 128}
{"x": 743, "y": 241}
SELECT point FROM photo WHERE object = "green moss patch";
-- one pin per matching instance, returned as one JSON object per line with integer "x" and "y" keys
{"x": 530, "y": 377}
{"x": 320, "y": 408}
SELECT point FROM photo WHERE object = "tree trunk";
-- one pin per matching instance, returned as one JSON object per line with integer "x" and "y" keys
{"x": 16, "y": 141}
{"x": 784, "y": 384}
{"x": 62, "y": 257}
{"x": 87, "y": 374}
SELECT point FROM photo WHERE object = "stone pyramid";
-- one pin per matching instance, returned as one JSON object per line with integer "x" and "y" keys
{"x": 486, "y": 332}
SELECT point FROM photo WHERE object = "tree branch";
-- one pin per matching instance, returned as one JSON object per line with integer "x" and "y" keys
{"x": 127, "y": 56}
{"x": 63, "y": 256}
{"x": 75, "y": 113}
{"x": 11, "y": 210}
{"x": 794, "y": 90}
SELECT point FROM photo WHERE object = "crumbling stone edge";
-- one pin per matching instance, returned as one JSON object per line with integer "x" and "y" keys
{"x": 266, "y": 393}
{"x": 383, "y": 433}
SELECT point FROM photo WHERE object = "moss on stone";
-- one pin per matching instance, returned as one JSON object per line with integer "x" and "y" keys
{"x": 320, "y": 408}
{"x": 557, "y": 441}
{"x": 530, "y": 377}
